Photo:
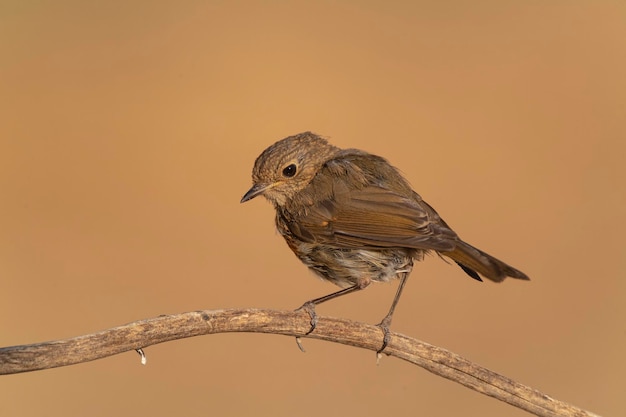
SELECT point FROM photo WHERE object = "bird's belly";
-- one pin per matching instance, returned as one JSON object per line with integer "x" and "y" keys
{"x": 347, "y": 267}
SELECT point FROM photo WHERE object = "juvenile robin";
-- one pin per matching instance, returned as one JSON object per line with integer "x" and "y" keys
{"x": 353, "y": 219}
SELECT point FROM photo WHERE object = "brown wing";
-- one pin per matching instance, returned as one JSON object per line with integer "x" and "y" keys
{"x": 372, "y": 216}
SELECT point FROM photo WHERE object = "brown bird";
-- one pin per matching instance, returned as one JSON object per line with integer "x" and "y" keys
{"x": 352, "y": 218}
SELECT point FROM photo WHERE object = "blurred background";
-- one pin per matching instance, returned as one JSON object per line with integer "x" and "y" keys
{"x": 128, "y": 131}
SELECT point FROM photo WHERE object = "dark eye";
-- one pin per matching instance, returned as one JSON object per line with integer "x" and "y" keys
{"x": 290, "y": 170}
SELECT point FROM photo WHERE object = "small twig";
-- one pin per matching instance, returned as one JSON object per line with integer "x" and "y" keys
{"x": 144, "y": 360}
{"x": 140, "y": 334}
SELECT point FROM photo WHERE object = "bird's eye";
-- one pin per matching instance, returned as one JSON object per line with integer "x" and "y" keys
{"x": 290, "y": 170}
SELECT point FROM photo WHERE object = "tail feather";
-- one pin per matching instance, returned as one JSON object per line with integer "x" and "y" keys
{"x": 474, "y": 261}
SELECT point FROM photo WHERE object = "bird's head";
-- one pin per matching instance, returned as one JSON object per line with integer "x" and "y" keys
{"x": 288, "y": 166}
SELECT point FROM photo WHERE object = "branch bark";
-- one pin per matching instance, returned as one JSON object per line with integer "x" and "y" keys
{"x": 144, "y": 333}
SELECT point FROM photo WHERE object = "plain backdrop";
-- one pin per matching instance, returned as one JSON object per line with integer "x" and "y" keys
{"x": 128, "y": 131}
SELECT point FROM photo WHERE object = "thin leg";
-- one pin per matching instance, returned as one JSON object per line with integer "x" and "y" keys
{"x": 309, "y": 306}
{"x": 386, "y": 322}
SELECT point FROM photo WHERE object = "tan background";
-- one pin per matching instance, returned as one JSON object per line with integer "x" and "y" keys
{"x": 128, "y": 131}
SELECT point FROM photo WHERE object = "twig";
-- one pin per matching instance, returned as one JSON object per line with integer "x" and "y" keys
{"x": 144, "y": 333}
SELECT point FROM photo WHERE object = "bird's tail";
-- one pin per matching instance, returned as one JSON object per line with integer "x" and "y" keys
{"x": 474, "y": 262}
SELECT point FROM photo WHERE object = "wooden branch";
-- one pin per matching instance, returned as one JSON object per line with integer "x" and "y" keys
{"x": 141, "y": 334}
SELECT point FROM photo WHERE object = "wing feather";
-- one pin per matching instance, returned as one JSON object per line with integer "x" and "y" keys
{"x": 365, "y": 213}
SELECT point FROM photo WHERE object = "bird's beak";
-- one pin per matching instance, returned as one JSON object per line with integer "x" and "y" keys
{"x": 257, "y": 189}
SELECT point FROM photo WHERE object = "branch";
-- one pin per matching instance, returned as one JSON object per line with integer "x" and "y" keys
{"x": 143, "y": 333}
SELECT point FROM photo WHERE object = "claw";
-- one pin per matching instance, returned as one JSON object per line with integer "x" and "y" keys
{"x": 299, "y": 343}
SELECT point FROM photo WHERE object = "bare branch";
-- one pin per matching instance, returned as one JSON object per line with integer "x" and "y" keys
{"x": 144, "y": 333}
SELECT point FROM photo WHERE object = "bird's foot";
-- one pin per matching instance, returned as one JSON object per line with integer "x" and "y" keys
{"x": 384, "y": 326}
{"x": 309, "y": 307}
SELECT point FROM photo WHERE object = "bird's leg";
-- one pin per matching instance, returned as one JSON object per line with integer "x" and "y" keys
{"x": 386, "y": 322}
{"x": 309, "y": 306}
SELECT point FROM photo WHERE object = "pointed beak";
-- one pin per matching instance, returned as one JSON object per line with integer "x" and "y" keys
{"x": 257, "y": 189}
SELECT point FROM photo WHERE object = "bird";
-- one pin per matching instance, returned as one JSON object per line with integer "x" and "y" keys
{"x": 353, "y": 219}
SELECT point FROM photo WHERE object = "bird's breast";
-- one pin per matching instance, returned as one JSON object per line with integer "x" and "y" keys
{"x": 348, "y": 266}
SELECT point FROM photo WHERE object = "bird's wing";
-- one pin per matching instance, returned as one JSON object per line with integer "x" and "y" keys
{"x": 372, "y": 216}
